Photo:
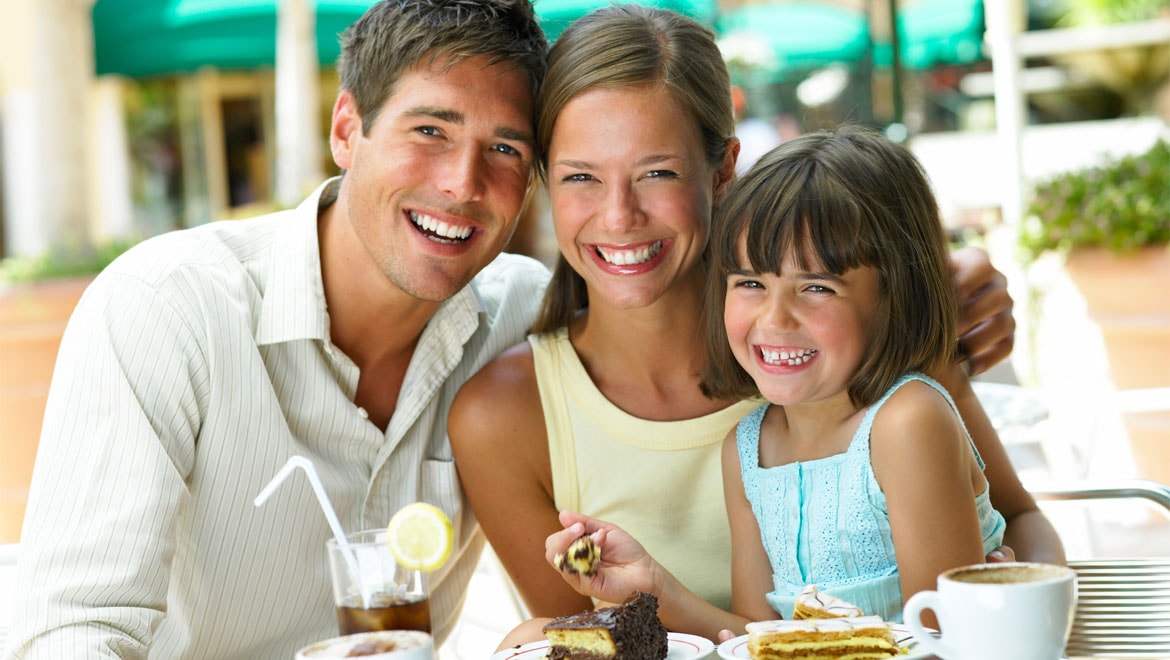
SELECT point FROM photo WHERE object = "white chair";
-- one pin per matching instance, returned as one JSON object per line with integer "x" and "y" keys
{"x": 1123, "y": 603}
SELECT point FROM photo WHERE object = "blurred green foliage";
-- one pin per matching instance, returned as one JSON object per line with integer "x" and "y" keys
{"x": 1121, "y": 205}
{"x": 63, "y": 264}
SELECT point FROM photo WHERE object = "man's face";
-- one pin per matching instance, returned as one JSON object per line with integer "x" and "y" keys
{"x": 434, "y": 189}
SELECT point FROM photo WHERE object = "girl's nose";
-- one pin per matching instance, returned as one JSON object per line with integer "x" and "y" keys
{"x": 777, "y": 315}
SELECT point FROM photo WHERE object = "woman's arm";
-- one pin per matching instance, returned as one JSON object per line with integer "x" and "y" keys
{"x": 1029, "y": 533}
{"x": 497, "y": 433}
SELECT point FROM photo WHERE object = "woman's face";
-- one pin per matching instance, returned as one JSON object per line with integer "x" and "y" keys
{"x": 631, "y": 192}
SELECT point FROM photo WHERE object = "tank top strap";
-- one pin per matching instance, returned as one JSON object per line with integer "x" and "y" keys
{"x": 549, "y": 364}
{"x": 861, "y": 438}
{"x": 747, "y": 441}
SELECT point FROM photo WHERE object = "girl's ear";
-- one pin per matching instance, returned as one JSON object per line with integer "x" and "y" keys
{"x": 725, "y": 174}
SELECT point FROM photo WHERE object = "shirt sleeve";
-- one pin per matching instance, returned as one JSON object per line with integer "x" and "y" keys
{"x": 109, "y": 484}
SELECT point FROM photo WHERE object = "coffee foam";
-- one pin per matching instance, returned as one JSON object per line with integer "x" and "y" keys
{"x": 1007, "y": 573}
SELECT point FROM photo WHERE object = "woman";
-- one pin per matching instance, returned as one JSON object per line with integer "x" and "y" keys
{"x": 601, "y": 412}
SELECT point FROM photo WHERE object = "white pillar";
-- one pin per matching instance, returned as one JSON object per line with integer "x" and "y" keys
{"x": 1005, "y": 20}
{"x": 47, "y": 68}
{"x": 298, "y": 123}
{"x": 109, "y": 166}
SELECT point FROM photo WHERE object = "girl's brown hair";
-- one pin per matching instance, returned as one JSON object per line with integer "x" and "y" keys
{"x": 843, "y": 199}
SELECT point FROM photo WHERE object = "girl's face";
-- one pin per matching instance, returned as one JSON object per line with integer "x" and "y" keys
{"x": 801, "y": 335}
{"x": 631, "y": 192}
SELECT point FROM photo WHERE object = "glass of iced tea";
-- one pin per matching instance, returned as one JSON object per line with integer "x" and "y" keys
{"x": 371, "y": 590}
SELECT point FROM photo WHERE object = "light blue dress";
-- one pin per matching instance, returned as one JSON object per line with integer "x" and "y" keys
{"x": 825, "y": 522}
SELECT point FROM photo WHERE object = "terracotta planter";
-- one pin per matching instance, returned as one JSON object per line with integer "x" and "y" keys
{"x": 1129, "y": 298}
{"x": 32, "y": 319}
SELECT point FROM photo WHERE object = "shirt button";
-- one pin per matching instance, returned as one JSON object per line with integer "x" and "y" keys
{"x": 362, "y": 413}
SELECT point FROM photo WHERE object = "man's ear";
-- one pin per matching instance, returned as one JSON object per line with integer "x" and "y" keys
{"x": 345, "y": 129}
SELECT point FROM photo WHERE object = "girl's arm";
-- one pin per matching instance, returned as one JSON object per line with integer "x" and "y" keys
{"x": 626, "y": 567}
{"x": 497, "y": 432}
{"x": 925, "y": 467}
{"x": 751, "y": 571}
{"x": 1029, "y": 533}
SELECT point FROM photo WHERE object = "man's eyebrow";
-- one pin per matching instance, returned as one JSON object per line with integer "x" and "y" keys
{"x": 442, "y": 114}
{"x": 454, "y": 117}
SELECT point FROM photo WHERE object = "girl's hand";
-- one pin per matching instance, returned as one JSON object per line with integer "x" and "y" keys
{"x": 1001, "y": 554}
{"x": 624, "y": 566}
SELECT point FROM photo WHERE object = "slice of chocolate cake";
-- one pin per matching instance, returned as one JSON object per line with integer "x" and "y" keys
{"x": 630, "y": 631}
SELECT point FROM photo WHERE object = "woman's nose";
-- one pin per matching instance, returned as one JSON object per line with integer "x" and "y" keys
{"x": 621, "y": 211}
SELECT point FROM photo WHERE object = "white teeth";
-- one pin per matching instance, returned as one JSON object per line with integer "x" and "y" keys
{"x": 439, "y": 228}
{"x": 630, "y": 257}
{"x": 791, "y": 358}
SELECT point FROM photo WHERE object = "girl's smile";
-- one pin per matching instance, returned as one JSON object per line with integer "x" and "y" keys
{"x": 801, "y": 334}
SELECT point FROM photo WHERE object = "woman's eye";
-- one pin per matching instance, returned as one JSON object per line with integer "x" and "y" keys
{"x": 661, "y": 174}
{"x": 580, "y": 176}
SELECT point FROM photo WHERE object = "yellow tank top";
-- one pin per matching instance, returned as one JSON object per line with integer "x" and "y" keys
{"x": 660, "y": 481}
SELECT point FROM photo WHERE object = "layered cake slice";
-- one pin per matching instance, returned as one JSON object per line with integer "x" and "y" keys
{"x": 855, "y": 638}
{"x": 814, "y": 604}
{"x": 630, "y": 631}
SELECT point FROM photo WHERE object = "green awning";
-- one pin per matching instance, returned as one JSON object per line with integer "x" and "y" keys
{"x": 556, "y": 15}
{"x": 766, "y": 43}
{"x": 140, "y": 38}
{"x": 150, "y": 37}
{"x": 932, "y": 32}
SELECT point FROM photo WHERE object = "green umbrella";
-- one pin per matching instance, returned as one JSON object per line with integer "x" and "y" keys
{"x": 151, "y": 37}
{"x": 556, "y": 15}
{"x": 767, "y": 43}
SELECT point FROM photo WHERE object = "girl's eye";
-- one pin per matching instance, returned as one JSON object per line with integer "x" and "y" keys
{"x": 818, "y": 288}
{"x": 746, "y": 283}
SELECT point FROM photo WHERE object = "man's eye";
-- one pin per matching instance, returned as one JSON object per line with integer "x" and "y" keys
{"x": 507, "y": 149}
{"x": 429, "y": 130}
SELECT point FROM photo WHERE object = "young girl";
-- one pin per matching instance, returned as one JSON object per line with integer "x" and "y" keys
{"x": 829, "y": 298}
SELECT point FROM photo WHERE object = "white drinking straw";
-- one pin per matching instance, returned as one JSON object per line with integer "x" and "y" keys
{"x": 297, "y": 461}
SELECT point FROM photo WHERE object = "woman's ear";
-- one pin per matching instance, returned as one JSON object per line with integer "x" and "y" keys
{"x": 725, "y": 174}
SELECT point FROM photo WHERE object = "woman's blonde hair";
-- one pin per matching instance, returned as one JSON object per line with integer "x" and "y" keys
{"x": 623, "y": 46}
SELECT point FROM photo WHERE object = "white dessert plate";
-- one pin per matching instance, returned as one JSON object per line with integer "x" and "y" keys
{"x": 679, "y": 646}
{"x": 737, "y": 649}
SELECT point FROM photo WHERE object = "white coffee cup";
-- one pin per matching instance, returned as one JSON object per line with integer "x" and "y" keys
{"x": 397, "y": 645}
{"x": 1006, "y": 611}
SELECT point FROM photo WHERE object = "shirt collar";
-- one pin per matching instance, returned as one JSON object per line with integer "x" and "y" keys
{"x": 294, "y": 293}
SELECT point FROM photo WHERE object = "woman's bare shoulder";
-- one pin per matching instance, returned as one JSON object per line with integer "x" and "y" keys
{"x": 501, "y": 401}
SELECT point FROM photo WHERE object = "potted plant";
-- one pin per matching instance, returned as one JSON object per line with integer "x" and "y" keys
{"x": 1111, "y": 222}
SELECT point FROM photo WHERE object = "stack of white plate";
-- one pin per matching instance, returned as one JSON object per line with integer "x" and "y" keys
{"x": 1123, "y": 609}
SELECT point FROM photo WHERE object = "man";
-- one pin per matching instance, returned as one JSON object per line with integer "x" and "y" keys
{"x": 341, "y": 330}
{"x": 198, "y": 363}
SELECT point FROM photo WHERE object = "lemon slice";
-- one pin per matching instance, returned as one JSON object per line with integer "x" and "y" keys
{"x": 420, "y": 536}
